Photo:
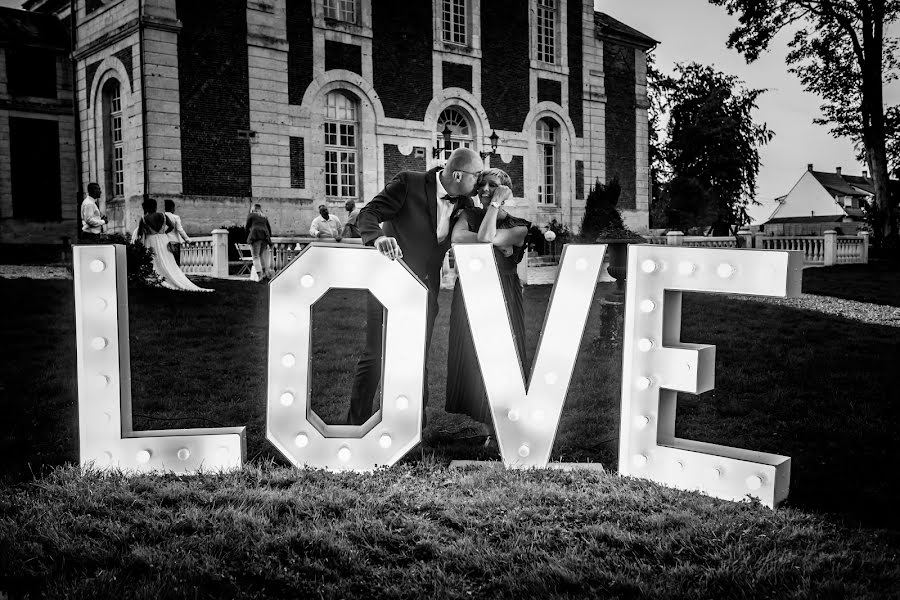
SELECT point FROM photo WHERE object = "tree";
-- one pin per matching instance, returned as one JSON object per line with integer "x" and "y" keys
{"x": 712, "y": 148}
{"x": 840, "y": 53}
{"x": 658, "y": 87}
{"x": 600, "y": 210}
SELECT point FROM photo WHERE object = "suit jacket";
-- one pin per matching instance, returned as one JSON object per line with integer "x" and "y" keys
{"x": 407, "y": 207}
{"x": 258, "y": 229}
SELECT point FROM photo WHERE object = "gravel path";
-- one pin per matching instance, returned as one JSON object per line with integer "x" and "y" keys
{"x": 34, "y": 272}
{"x": 877, "y": 314}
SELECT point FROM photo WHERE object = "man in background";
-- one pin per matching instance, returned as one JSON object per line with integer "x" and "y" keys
{"x": 351, "y": 230}
{"x": 325, "y": 225}
{"x": 92, "y": 221}
{"x": 176, "y": 233}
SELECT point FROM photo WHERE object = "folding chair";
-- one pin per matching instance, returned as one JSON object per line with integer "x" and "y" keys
{"x": 246, "y": 255}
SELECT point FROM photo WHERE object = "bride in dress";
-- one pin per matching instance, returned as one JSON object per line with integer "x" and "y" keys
{"x": 151, "y": 230}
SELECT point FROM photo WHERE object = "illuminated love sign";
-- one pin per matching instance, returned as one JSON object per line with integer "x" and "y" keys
{"x": 104, "y": 383}
{"x": 291, "y": 425}
{"x": 656, "y": 365}
{"x": 526, "y": 420}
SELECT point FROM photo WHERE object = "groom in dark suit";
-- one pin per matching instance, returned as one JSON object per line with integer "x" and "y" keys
{"x": 416, "y": 210}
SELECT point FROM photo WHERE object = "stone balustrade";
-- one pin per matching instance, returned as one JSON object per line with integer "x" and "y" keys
{"x": 208, "y": 255}
{"x": 820, "y": 250}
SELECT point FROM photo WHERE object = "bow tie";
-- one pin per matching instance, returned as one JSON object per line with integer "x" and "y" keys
{"x": 452, "y": 199}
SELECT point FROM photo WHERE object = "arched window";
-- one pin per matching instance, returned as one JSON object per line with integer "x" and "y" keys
{"x": 460, "y": 132}
{"x": 113, "y": 145}
{"x": 341, "y": 145}
{"x": 548, "y": 160}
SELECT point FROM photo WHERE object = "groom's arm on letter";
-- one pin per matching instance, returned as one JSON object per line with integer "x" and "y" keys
{"x": 385, "y": 206}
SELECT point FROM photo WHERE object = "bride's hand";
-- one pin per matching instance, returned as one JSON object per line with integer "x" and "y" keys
{"x": 501, "y": 194}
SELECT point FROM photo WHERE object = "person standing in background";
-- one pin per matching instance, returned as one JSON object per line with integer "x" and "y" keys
{"x": 351, "y": 230}
{"x": 259, "y": 236}
{"x": 92, "y": 221}
{"x": 325, "y": 225}
{"x": 176, "y": 233}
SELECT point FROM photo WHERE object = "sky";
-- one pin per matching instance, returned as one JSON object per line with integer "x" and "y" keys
{"x": 694, "y": 30}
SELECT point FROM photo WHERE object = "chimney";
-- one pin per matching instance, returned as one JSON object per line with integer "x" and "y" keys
{"x": 809, "y": 167}
{"x": 837, "y": 170}
{"x": 865, "y": 174}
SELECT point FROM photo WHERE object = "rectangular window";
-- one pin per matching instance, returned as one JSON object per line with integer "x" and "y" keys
{"x": 34, "y": 169}
{"x": 453, "y": 21}
{"x": 340, "y": 174}
{"x": 341, "y": 10}
{"x": 546, "y": 31}
{"x": 549, "y": 160}
{"x": 30, "y": 72}
{"x": 547, "y": 191}
{"x": 118, "y": 152}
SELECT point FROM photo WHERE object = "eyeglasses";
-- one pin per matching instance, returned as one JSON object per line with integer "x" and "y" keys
{"x": 475, "y": 175}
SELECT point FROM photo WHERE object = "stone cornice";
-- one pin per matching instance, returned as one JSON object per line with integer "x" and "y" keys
{"x": 122, "y": 32}
{"x": 36, "y": 107}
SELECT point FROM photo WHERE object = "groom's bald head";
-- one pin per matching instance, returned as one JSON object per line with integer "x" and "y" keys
{"x": 463, "y": 159}
{"x": 461, "y": 172}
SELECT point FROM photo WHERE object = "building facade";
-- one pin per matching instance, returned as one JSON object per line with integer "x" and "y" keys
{"x": 295, "y": 103}
{"x": 38, "y": 175}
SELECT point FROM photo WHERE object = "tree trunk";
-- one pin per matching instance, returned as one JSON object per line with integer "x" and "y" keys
{"x": 873, "y": 116}
{"x": 877, "y": 159}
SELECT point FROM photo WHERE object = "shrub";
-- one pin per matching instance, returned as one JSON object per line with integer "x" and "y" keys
{"x": 600, "y": 210}
{"x": 602, "y": 219}
{"x": 139, "y": 260}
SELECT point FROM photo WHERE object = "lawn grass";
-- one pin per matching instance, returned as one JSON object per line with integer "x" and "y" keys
{"x": 817, "y": 388}
{"x": 877, "y": 282}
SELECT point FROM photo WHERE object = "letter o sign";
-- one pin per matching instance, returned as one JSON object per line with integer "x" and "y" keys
{"x": 291, "y": 425}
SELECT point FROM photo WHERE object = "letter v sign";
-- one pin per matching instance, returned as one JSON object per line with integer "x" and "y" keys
{"x": 526, "y": 421}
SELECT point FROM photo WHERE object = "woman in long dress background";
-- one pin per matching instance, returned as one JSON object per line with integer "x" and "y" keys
{"x": 152, "y": 232}
{"x": 488, "y": 223}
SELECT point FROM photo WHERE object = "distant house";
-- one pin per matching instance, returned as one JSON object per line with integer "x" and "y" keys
{"x": 821, "y": 201}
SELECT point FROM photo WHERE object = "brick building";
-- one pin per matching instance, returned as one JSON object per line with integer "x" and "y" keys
{"x": 293, "y": 103}
{"x": 38, "y": 203}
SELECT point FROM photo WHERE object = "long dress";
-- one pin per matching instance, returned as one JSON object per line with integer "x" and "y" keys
{"x": 465, "y": 386}
{"x": 163, "y": 262}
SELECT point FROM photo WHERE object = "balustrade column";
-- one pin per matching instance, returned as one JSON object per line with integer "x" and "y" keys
{"x": 830, "y": 249}
{"x": 675, "y": 238}
{"x": 220, "y": 253}
{"x": 864, "y": 252}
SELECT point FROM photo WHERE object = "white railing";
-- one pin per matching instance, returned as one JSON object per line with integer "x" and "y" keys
{"x": 197, "y": 256}
{"x": 285, "y": 248}
{"x": 850, "y": 249}
{"x": 819, "y": 250}
{"x": 701, "y": 241}
{"x": 812, "y": 246}
{"x": 208, "y": 255}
